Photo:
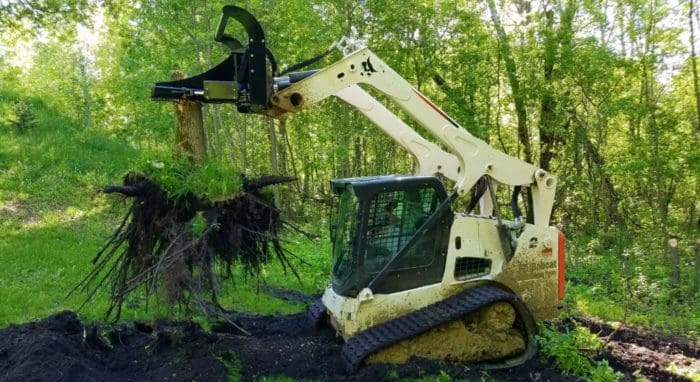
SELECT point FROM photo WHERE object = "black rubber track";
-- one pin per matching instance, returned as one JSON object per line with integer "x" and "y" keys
{"x": 357, "y": 348}
{"x": 317, "y": 312}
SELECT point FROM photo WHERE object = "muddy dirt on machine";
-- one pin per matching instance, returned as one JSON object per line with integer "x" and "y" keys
{"x": 482, "y": 336}
{"x": 483, "y": 323}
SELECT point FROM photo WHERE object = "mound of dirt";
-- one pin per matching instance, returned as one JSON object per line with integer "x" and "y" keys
{"x": 61, "y": 348}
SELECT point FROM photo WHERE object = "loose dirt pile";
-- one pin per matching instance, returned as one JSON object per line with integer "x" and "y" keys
{"x": 61, "y": 348}
{"x": 656, "y": 357}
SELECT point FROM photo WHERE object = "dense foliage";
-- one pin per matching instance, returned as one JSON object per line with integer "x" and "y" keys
{"x": 604, "y": 94}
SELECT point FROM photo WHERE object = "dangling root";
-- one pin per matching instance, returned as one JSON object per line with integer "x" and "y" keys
{"x": 157, "y": 246}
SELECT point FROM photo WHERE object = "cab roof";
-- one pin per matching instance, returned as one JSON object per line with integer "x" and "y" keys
{"x": 366, "y": 186}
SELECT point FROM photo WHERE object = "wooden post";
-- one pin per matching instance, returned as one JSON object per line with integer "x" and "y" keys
{"x": 190, "y": 139}
{"x": 273, "y": 158}
{"x": 675, "y": 271}
{"x": 696, "y": 279}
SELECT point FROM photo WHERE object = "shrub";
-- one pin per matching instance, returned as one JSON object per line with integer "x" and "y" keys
{"x": 22, "y": 117}
{"x": 573, "y": 353}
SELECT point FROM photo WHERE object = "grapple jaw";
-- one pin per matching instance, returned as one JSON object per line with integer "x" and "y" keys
{"x": 244, "y": 78}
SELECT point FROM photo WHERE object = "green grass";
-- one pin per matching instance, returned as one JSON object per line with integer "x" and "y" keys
{"x": 54, "y": 219}
{"x": 249, "y": 296}
{"x": 216, "y": 178}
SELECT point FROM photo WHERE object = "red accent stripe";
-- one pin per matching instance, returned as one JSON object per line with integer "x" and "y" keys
{"x": 437, "y": 109}
{"x": 562, "y": 265}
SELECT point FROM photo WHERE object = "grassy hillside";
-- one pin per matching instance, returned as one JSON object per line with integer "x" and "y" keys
{"x": 54, "y": 218}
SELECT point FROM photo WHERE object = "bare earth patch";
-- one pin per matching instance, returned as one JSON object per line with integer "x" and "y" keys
{"x": 20, "y": 210}
{"x": 61, "y": 348}
{"x": 656, "y": 357}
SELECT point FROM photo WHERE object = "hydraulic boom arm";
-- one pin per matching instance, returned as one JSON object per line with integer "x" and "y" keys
{"x": 430, "y": 158}
{"x": 475, "y": 157}
{"x": 247, "y": 79}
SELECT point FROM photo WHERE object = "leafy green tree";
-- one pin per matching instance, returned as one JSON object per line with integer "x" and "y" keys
{"x": 37, "y": 17}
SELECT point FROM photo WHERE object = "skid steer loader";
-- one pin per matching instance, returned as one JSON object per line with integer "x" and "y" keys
{"x": 410, "y": 276}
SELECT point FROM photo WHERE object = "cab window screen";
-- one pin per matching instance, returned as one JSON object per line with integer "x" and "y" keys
{"x": 394, "y": 217}
{"x": 343, "y": 260}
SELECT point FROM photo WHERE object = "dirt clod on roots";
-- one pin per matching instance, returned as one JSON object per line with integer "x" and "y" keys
{"x": 183, "y": 247}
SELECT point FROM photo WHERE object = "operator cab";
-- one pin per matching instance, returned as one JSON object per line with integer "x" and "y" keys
{"x": 381, "y": 222}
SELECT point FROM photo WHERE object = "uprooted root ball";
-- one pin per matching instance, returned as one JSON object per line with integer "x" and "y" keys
{"x": 185, "y": 246}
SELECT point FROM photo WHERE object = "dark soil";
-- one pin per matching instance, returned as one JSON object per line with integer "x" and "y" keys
{"x": 648, "y": 352}
{"x": 61, "y": 348}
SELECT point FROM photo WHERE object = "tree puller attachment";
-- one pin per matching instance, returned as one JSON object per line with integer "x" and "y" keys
{"x": 410, "y": 276}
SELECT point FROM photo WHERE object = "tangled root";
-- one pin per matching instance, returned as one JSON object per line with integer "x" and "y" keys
{"x": 185, "y": 246}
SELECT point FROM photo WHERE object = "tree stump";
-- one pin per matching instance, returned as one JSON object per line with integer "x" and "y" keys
{"x": 190, "y": 139}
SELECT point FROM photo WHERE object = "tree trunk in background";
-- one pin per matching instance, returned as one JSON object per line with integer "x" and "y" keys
{"x": 512, "y": 73}
{"x": 216, "y": 130}
{"x": 556, "y": 55}
{"x": 548, "y": 104}
{"x": 359, "y": 157}
{"x": 281, "y": 146}
{"x": 273, "y": 157}
{"x": 243, "y": 123}
{"x": 518, "y": 100}
{"x": 343, "y": 158}
{"x": 189, "y": 127}
{"x": 603, "y": 188}
{"x": 85, "y": 86}
{"x": 675, "y": 271}
{"x": 696, "y": 279}
{"x": 696, "y": 86}
{"x": 612, "y": 199}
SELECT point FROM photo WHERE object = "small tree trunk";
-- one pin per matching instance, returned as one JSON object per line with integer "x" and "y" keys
{"x": 675, "y": 271}
{"x": 281, "y": 147}
{"x": 273, "y": 158}
{"x": 548, "y": 102}
{"x": 358, "y": 156}
{"x": 244, "y": 142}
{"x": 696, "y": 279}
{"x": 189, "y": 127}
{"x": 85, "y": 85}
{"x": 518, "y": 96}
{"x": 514, "y": 80}
{"x": 694, "y": 67}
{"x": 216, "y": 130}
